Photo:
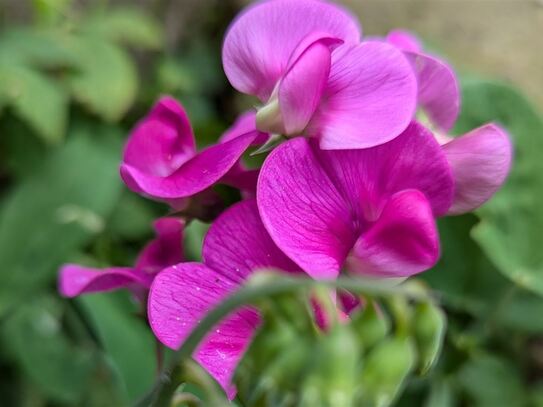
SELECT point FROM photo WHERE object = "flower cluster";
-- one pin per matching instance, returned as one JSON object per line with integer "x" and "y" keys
{"x": 364, "y": 169}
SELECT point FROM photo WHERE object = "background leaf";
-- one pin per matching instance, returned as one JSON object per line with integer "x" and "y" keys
{"x": 511, "y": 223}
{"x": 56, "y": 211}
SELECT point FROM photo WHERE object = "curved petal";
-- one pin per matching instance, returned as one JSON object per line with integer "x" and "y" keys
{"x": 402, "y": 242}
{"x": 180, "y": 297}
{"x": 197, "y": 174}
{"x": 480, "y": 161}
{"x": 75, "y": 280}
{"x": 260, "y": 42}
{"x": 303, "y": 211}
{"x": 439, "y": 94}
{"x": 237, "y": 243}
{"x": 166, "y": 249}
{"x": 369, "y": 177}
{"x": 404, "y": 40}
{"x": 161, "y": 141}
{"x": 245, "y": 123}
{"x": 301, "y": 88}
{"x": 369, "y": 99}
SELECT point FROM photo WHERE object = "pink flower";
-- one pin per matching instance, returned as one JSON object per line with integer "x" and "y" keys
{"x": 160, "y": 158}
{"x": 304, "y": 60}
{"x": 181, "y": 295}
{"x": 166, "y": 249}
{"x": 480, "y": 159}
{"x": 370, "y": 212}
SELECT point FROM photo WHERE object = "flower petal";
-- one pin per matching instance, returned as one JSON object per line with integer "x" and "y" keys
{"x": 161, "y": 141}
{"x": 75, "y": 280}
{"x": 370, "y": 97}
{"x": 402, "y": 242}
{"x": 439, "y": 94}
{"x": 260, "y": 42}
{"x": 369, "y": 177}
{"x": 404, "y": 40}
{"x": 480, "y": 161}
{"x": 302, "y": 210}
{"x": 245, "y": 123}
{"x": 180, "y": 297}
{"x": 197, "y": 174}
{"x": 237, "y": 243}
{"x": 301, "y": 88}
{"x": 166, "y": 249}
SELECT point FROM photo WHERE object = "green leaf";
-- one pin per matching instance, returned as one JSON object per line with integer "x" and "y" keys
{"x": 491, "y": 381}
{"x": 441, "y": 394}
{"x": 56, "y": 211}
{"x": 126, "y": 25}
{"x": 36, "y": 341}
{"x": 371, "y": 326}
{"x": 105, "y": 80}
{"x": 511, "y": 223}
{"x": 126, "y": 338}
{"x": 35, "y": 99}
{"x": 194, "y": 236}
{"x": 132, "y": 218}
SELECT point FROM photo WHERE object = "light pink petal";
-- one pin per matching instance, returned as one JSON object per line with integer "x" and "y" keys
{"x": 402, "y": 242}
{"x": 301, "y": 88}
{"x": 480, "y": 161}
{"x": 161, "y": 141}
{"x": 180, "y": 297}
{"x": 260, "y": 42}
{"x": 369, "y": 177}
{"x": 75, "y": 280}
{"x": 194, "y": 176}
{"x": 237, "y": 244}
{"x": 439, "y": 94}
{"x": 404, "y": 40}
{"x": 166, "y": 249}
{"x": 370, "y": 97}
{"x": 303, "y": 211}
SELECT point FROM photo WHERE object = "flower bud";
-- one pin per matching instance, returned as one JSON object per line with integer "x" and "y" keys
{"x": 428, "y": 328}
{"x": 332, "y": 380}
{"x": 386, "y": 368}
{"x": 370, "y": 325}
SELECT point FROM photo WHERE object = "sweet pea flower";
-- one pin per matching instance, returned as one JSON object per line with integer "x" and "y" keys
{"x": 481, "y": 159}
{"x": 438, "y": 91}
{"x": 235, "y": 245}
{"x": 166, "y": 249}
{"x": 160, "y": 158}
{"x": 370, "y": 212}
{"x": 304, "y": 60}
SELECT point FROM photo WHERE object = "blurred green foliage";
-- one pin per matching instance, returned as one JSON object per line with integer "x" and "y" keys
{"x": 74, "y": 79}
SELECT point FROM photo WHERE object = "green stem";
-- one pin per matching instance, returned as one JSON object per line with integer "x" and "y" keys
{"x": 170, "y": 380}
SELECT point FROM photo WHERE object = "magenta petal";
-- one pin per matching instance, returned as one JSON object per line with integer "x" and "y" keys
{"x": 404, "y": 40}
{"x": 260, "y": 42}
{"x": 237, "y": 244}
{"x": 245, "y": 123}
{"x": 75, "y": 280}
{"x": 161, "y": 141}
{"x": 303, "y": 212}
{"x": 404, "y": 240}
{"x": 197, "y": 174}
{"x": 301, "y": 88}
{"x": 480, "y": 162}
{"x": 166, "y": 249}
{"x": 439, "y": 94}
{"x": 370, "y": 97}
{"x": 369, "y": 177}
{"x": 180, "y": 297}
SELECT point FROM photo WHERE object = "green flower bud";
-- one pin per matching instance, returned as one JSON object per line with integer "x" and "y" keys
{"x": 428, "y": 328}
{"x": 332, "y": 380}
{"x": 370, "y": 325}
{"x": 386, "y": 368}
